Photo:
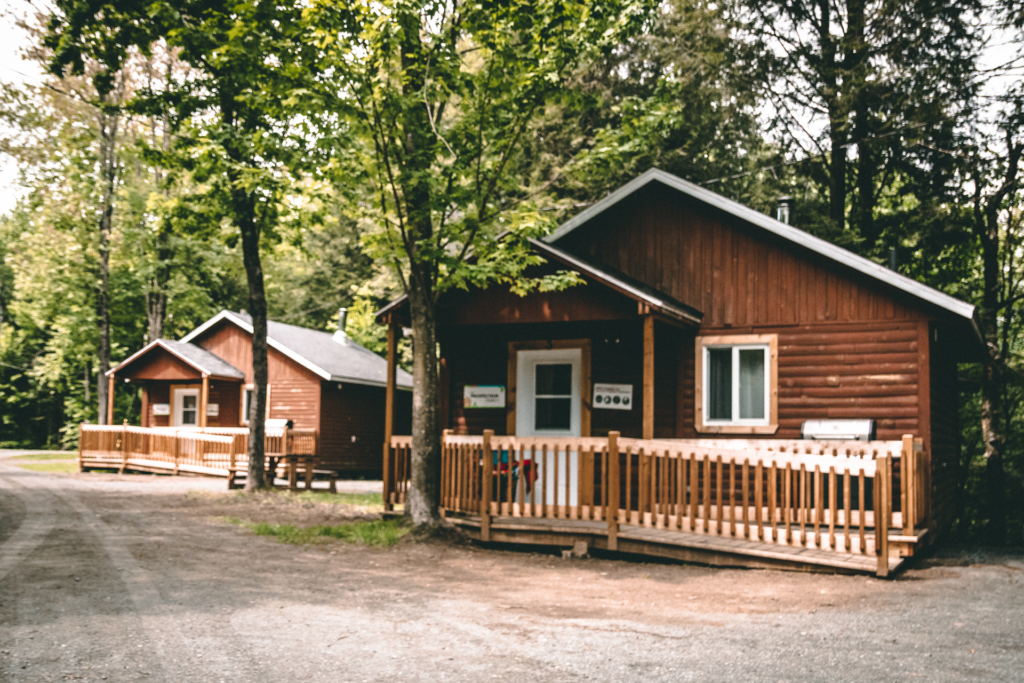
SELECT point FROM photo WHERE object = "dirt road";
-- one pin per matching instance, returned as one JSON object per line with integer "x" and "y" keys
{"x": 131, "y": 579}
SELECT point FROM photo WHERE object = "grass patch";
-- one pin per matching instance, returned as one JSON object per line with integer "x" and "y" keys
{"x": 49, "y": 455}
{"x": 62, "y": 467}
{"x": 380, "y": 533}
{"x": 365, "y": 500}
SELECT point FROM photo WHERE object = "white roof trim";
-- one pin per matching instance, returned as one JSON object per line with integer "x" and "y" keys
{"x": 227, "y": 315}
{"x": 808, "y": 241}
{"x": 368, "y": 383}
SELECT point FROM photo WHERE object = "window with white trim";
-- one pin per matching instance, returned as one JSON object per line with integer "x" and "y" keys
{"x": 737, "y": 384}
{"x": 247, "y": 392}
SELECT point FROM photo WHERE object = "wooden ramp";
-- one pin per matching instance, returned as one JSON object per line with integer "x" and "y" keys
{"x": 673, "y": 544}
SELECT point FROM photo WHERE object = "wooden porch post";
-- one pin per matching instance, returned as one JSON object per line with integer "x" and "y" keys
{"x": 204, "y": 398}
{"x": 110, "y": 399}
{"x": 144, "y": 416}
{"x": 612, "y": 495}
{"x": 648, "y": 376}
{"x": 487, "y": 482}
{"x": 389, "y": 412}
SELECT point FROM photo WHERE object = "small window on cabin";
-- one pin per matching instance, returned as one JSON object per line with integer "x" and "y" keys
{"x": 736, "y": 384}
{"x": 553, "y": 396}
{"x": 246, "y": 403}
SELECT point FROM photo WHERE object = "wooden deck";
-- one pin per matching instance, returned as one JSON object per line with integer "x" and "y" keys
{"x": 214, "y": 452}
{"x": 684, "y": 547}
{"x": 835, "y": 506}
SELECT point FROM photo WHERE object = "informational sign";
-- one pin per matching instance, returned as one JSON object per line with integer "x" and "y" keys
{"x": 613, "y": 396}
{"x": 212, "y": 410}
{"x": 483, "y": 396}
{"x": 161, "y": 408}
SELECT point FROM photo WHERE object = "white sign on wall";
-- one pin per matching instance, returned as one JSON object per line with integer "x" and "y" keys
{"x": 483, "y": 396}
{"x": 212, "y": 410}
{"x": 161, "y": 408}
{"x": 613, "y": 396}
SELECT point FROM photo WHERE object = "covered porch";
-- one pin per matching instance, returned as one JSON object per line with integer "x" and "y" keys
{"x": 826, "y": 506}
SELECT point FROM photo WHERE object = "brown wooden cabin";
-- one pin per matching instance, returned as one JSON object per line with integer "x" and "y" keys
{"x": 318, "y": 380}
{"x": 702, "y": 318}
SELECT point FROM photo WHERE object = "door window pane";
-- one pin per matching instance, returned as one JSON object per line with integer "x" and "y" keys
{"x": 719, "y": 384}
{"x": 554, "y": 380}
{"x": 553, "y": 396}
{"x": 553, "y": 413}
{"x": 752, "y": 384}
{"x": 188, "y": 409}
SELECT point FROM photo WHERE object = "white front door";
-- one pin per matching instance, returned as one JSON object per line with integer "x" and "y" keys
{"x": 186, "y": 407}
{"x": 548, "y": 403}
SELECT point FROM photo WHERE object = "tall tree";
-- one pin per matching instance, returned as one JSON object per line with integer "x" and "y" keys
{"x": 248, "y": 62}
{"x": 439, "y": 94}
{"x": 865, "y": 74}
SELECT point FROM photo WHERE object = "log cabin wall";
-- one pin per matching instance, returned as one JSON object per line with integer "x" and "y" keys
{"x": 352, "y": 427}
{"x": 228, "y": 397}
{"x": 156, "y": 392}
{"x": 944, "y": 435}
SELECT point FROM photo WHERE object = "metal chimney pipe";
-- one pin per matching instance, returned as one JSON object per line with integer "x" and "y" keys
{"x": 340, "y": 336}
{"x": 784, "y": 210}
{"x": 892, "y": 258}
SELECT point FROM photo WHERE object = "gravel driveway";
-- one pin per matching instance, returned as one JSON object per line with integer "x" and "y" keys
{"x": 134, "y": 579}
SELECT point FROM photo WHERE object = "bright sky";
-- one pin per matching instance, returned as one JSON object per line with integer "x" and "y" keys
{"x": 13, "y": 70}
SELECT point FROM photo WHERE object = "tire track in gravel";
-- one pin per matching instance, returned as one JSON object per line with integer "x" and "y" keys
{"x": 172, "y": 655}
{"x": 28, "y": 532}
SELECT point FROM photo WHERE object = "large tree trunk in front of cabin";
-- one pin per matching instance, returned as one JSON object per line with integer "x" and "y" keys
{"x": 425, "y": 492}
{"x": 258, "y": 310}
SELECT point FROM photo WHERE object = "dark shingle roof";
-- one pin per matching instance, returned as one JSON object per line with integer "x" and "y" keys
{"x": 320, "y": 352}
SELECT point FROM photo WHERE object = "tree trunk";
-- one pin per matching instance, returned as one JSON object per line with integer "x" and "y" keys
{"x": 257, "y": 309}
{"x": 837, "y": 132}
{"x": 992, "y": 384}
{"x": 425, "y": 491}
{"x": 108, "y": 161}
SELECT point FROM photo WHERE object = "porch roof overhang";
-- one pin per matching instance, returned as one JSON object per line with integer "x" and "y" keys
{"x": 650, "y": 299}
{"x": 202, "y": 361}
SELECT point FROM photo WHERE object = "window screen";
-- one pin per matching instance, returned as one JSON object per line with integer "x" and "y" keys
{"x": 553, "y": 396}
{"x": 751, "y": 384}
{"x": 720, "y": 384}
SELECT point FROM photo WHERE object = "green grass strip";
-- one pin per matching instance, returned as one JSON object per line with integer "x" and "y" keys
{"x": 379, "y": 533}
{"x": 369, "y": 500}
{"x": 62, "y": 467}
{"x": 48, "y": 455}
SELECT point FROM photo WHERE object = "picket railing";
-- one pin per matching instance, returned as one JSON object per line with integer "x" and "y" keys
{"x": 831, "y": 496}
{"x": 216, "y": 451}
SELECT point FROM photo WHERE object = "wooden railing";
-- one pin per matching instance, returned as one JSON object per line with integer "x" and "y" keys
{"x": 212, "y": 451}
{"x": 831, "y": 496}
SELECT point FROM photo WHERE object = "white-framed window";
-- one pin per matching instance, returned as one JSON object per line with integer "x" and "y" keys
{"x": 737, "y": 384}
{"x": 247, "y": 393}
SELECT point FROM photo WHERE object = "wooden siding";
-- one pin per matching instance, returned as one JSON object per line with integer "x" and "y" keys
{"x": 159, "y": 364}
{"x": 228, "y": 396}
{"x": 294, "y": 390}
{"x": 835, "y": 372}
{"x": 737, "y": 275}
{"x": 156, "y": 392}
{"x": 944, "y": 437}
{"x": 352, "y": 428}
{"x": 497, "y": 305}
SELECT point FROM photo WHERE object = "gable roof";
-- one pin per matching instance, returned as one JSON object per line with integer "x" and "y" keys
{"x": 605, "y": 276}
{"x": 317, "y": 351}
{"x": 196, "y": 356}
{"x": 787, "y": 232}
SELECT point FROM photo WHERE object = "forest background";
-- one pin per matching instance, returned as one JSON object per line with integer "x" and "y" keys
{"x": 892, "y": 126}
